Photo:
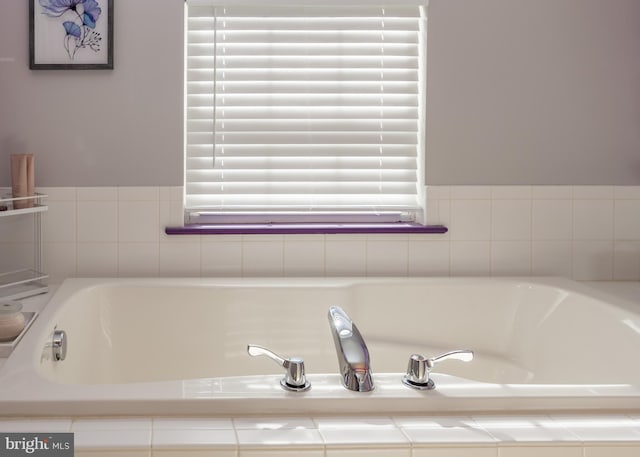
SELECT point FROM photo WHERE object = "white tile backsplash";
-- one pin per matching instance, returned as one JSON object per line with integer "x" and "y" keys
{"x": 582, "y": 232}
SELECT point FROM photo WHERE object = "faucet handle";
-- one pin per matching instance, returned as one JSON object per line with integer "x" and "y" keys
{"x": 419, "y": 367}
{"x": 294, "y": 378}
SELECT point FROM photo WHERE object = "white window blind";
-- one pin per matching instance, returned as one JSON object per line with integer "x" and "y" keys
{"x": 304, "y": 113}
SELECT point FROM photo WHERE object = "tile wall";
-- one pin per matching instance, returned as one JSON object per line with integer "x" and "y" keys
{"x": 581, "y": 232}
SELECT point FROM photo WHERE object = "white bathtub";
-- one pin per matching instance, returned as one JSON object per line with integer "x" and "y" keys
{"x": 178, "y": 347}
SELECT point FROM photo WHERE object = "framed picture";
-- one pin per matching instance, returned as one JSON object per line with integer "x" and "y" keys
{"x": 70, "y": 34}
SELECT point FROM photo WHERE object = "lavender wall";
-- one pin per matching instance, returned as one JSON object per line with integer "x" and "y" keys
{"x": 533, "y": 92}
{"x": 97, "y": 127}
{"x": 520, "y": 92}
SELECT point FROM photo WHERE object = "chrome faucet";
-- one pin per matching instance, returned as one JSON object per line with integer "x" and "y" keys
{"x": 353, "y": 355}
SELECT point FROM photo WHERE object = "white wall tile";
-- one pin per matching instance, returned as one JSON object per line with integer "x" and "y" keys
{"x": 511, "y": 192}
{"x": 438, "y": 192}
{"x": 627, "y": 192}
{"x": 470, "y": 192}
{"x": 59, "y": 222}
{"x": 387, "y": 256}
{"x": 470, "y": 220}
{"x": 593, "y": 260}
{"x": 304, "y": 255}
{"x": 98, "y": 259}
{"x": 345, "y": 255}
{"x": 97, "y": 221}
{"x": 438, "y": 211}
{"x": 138, "y": 221}
{"x": 138, "y": 259}
{"x": 60, "y": 194}
{"x": 59, "y": 261}
{"x": 626, "y": 260}
{"x": 511, "y": 220}
{"x": 181, "y": 257}
{"x": 150, "y": 194}
{"x": 429, "y": 258}
{"x": 552, "y": 220}
{"x": 97, "y": 193}
{"x": 511, "y": 258}
{"x": 470, "y": 258}
{"x": 552, "y": 258}
{"x": 593, "y": 192}
{"x": 627, "y": 220}
{"x": 552, "y": 192}
{"x": 593, "y": 219}
{"x": 221, "y": 256}
{"x": 171, "y": 215}
{"x": 263, "y": 255}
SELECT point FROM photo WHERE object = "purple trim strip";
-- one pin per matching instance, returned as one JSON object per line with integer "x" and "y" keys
{"x": 300, "y": 229}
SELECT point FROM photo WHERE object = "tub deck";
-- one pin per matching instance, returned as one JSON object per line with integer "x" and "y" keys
{"x": 177, "y": 346}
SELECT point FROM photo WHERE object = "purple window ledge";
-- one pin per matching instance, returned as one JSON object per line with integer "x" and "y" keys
{"x": 301, "y": 229}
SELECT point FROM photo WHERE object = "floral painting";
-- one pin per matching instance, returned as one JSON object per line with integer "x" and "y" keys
{"x": 71, "y": 34}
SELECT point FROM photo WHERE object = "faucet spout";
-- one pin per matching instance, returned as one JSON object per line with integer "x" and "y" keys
{"x": 352, "y": 352}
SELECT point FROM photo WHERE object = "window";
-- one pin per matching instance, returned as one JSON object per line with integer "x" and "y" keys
{"x": 304, "y": 114}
